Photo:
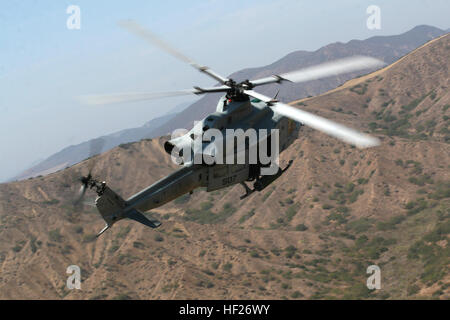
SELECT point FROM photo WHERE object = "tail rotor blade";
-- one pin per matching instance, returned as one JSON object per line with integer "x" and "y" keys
{"x": 80, "y": 195}
{"x": 95, "y": 147}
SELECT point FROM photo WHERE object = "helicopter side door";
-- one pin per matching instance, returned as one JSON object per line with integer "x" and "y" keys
{"x": 224, "y": 175}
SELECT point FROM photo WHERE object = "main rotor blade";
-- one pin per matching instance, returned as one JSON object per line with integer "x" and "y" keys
{"x": 132, "y": 96}
{"x": 329, "y": 127}
{"x": 260, "y": 96}
{"x": 323, "y": 70}
{"x": 144, "y": 96}
{"x": 138, "y": 30}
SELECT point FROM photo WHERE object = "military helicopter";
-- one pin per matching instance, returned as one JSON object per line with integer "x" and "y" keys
{"x": 240, "y": 108}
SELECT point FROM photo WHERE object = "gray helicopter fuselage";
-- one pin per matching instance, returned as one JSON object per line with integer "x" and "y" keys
{"x": 229, "y": 115}
{"x": 248, "y": 114}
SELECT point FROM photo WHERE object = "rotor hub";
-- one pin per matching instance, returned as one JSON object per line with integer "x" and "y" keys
{"x": 236, "y": 91}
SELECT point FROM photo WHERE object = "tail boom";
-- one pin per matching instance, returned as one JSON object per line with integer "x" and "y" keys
{"x": 113, "y": 208}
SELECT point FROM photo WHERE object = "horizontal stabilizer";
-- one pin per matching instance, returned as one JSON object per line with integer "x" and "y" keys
{"x": 139, "y": 217}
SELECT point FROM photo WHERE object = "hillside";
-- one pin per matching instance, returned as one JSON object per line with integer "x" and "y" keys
{"x": 386, "y": 48}
{"x": 311, "y": 235}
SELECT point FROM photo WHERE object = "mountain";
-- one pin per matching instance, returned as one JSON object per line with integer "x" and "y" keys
{"x": 310, "y": 235}
{"x": 386, "y": 48}
{"x": 76, "y": 153}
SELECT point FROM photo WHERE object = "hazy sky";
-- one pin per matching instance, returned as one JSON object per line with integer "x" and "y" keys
{"x": 44, "y": 65}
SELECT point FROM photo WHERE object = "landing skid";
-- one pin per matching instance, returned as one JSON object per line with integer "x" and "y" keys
{"x": 103, "y": 230}
{"x": 288, "y": 165}
{"x": 249, "y": 191}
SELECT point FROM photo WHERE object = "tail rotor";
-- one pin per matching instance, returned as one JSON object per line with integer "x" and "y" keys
{"x": 88, "y": 182}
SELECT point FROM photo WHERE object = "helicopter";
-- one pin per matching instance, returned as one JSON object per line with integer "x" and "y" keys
{"x": 240, "y": 109}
